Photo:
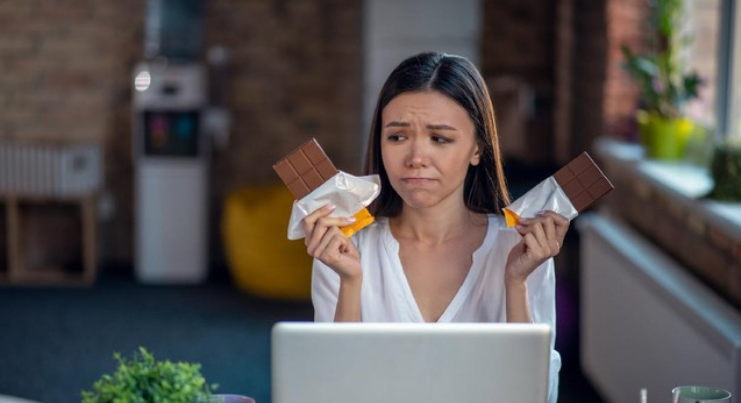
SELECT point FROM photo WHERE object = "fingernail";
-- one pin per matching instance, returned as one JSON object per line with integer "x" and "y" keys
{"x": 518, "y": 226}
{"x": 330, "y": 207}
{"x": 350, "y": 219}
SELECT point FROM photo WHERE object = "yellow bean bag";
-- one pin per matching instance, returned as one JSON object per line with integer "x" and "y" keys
{"x": 261, "y": 259}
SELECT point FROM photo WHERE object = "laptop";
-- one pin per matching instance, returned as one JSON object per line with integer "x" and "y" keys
{"x": 410, "y": 362}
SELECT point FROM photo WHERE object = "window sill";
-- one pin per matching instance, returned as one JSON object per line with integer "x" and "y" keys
{"x": 665, "y": 202}
{"x": 683, "y": 182}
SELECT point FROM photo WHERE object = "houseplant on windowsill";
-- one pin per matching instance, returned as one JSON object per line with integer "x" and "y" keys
{"x": 725, "y": 169}
{"x": 665, "y": 83}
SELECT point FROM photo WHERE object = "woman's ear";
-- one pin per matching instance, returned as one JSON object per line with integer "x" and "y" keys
{"x": 476, "y": 158}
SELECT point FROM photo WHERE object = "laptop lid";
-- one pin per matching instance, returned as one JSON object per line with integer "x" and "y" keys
{"x": 410, "y": 362}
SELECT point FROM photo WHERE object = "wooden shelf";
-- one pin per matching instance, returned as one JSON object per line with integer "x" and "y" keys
{"x": 17, "y": 245}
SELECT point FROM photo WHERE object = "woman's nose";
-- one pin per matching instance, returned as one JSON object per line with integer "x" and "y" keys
{"x": 416, "y": 157}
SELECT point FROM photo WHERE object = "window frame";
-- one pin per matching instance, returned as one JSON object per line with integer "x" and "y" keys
{"x": 728, "y": 52}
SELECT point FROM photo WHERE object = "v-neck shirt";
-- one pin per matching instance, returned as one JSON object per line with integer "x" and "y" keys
{"x": 396, "y": 269}
{"x": 386, "y": 295}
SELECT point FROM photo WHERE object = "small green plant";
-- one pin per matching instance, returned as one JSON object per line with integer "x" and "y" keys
{"x": 142, "y": 379}
{"x": 725, "y": 170}
{"x": 664, "y": 81}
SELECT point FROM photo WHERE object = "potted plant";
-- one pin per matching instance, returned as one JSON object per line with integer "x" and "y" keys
{"x": 142, "y": 379}
{"x": 725, "y": 169}
{"x": 664, "y": 81}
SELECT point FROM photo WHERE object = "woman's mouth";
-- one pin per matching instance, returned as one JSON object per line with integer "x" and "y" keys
{"x": 416, "y": 181}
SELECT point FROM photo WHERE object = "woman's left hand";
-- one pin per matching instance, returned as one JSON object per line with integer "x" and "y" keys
{"x": 542, "y": 238}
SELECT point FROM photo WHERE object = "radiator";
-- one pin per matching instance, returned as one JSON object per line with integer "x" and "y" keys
{"x": 49, "y": 169}
{"x": 646, "y": 322}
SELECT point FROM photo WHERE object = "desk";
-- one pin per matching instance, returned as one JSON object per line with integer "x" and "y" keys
{"x": 11, "y": 399}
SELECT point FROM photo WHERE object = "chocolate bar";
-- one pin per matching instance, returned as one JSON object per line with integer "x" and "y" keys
{"x": 305, "y": 169}
{"x": 583, "y": 182}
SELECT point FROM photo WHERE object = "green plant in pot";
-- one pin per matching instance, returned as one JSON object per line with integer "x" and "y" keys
{"x": 142, "y": 379}
{"x": 665, "y": 83}
{"x": 725, "y": 169}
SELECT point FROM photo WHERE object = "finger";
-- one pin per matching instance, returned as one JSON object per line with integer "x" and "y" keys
{"x": 316, "y": 238}
{"x": 538, "y": 231}
{"x": 533, "y": 248}
{"x": 335, "y": 221}
{"x": 527, "y": 222}
{"x": 529, "y": 225}
{"x": 319, "y": 231}
{"x": 562, "y": 229}
{"x": 320, "y": 212}
{"x": 318, "y": 248}
{"x": 330, "y": 253}
{"x": 310, "y": 220}
{"x": 524, "y": 226}
{"x": 549, "y": 226}
{"x": 562, "y": 223}
{"x": 333, "y": 251}
{"x": 324, "y": 223}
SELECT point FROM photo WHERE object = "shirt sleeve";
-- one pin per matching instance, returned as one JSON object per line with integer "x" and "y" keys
{"x": 541, "y": 286}
{"x": 325, "y": 287}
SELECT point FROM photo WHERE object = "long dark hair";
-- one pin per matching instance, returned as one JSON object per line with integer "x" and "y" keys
{"x": 485, "y": 188}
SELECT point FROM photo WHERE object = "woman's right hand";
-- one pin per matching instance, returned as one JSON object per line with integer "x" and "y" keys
{"x": 325, "y": 241}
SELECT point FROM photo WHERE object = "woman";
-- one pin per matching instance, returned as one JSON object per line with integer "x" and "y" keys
{"x": 439, "y": 250}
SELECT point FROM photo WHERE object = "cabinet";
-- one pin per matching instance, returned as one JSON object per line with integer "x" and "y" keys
{"x": 47, "y": 240}
{"x": 646, "y": 321}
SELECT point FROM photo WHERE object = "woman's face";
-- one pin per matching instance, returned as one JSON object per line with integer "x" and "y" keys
{"x": 427, "y": 144}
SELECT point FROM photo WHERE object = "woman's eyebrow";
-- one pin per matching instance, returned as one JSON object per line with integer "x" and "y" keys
{"x": 441, "y": 127}
{"x": 396, "y": 123}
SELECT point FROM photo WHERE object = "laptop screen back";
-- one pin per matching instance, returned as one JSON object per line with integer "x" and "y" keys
{"x": 409, "y": 362}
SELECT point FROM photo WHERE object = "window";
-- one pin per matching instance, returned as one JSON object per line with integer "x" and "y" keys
{"x": 734, "y": 45}
{"x": 715, "y": 53}
{"x": 701, "y": 28}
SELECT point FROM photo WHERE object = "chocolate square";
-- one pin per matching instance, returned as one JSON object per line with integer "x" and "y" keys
{"x": 286, "y": 172}
{"x": 583, "y": 182}
{"x": 305, "y": 169}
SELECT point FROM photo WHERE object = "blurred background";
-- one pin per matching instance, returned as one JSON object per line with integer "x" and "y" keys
{"x": 138, "y": 201}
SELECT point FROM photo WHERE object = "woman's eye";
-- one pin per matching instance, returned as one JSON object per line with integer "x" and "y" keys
{"x": 396, "y": 137}
{"x": 440, "y": 139}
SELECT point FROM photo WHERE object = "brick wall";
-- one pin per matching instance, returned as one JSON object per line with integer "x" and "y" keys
{"x": 569, "y": 52}
{"x": 63, "y": 66}
{"x": 626, "y": 26}
{"x": 590, "y": 66}
{"x": 296, "y": 72}
{"x": 519, "y": 41}
{"x": 64, "y": 74}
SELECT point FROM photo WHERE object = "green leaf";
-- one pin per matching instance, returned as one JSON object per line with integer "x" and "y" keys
{"x": 665, "y": 85}
{"x": 143, "y": 379}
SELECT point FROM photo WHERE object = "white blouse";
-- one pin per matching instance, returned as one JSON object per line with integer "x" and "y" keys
{"x": 387, "y": 297}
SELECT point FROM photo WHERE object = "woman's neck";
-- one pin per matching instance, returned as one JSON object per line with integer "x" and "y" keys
{"x": 435, "y": 226}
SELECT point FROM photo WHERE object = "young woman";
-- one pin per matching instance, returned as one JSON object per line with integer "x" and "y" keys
{"x": 439, "y": 250}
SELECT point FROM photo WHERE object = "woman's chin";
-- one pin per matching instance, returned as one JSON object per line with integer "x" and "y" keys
{"x": 418, "y": 201}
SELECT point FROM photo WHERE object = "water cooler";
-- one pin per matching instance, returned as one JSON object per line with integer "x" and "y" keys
{"x": 171, "y": 172}
{"x": 171, "y": 150}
